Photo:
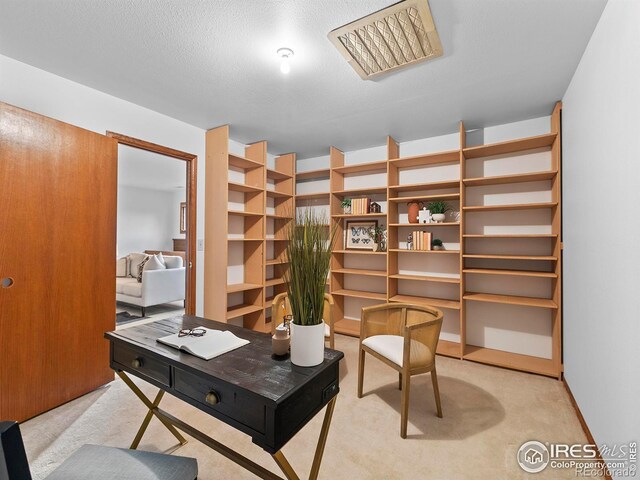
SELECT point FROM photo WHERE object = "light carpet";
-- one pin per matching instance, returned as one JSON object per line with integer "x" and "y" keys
{"x": 488, "y": 413}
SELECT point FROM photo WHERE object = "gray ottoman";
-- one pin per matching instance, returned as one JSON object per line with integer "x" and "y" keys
{"x": 106, "y": 463}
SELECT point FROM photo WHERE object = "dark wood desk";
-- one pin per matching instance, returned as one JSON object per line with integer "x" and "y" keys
{"x": 266, "y": 398}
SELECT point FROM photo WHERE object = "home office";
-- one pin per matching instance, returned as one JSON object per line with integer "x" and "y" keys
{"x": 397, "y": 205}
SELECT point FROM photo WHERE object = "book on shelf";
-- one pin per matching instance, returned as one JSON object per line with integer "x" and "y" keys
{"x": 210, "y": 345}
{"x": 360, "y": 206}
{"x": 421, "y": 240}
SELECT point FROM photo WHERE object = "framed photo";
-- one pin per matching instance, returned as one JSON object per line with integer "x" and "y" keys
{"x": 357, "y": 234}
{"x": 183, "y": 217}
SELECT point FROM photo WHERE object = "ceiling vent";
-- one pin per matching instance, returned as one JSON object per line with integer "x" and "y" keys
{"x": 394, "y": 37}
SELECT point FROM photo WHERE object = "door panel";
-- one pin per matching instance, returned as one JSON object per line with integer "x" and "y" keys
{"x": 58, "y": 187}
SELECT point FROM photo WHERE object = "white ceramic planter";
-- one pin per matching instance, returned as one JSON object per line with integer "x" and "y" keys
{"x": 438, "y": 217}
{"x": 307, "y": 345}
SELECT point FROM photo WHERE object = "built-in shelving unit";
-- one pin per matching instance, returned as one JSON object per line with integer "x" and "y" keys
{"x": 510, "y": 265}
{"x": 250, "y": 197}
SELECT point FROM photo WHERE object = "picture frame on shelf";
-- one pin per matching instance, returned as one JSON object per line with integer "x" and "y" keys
{"x": 357, "y": 234}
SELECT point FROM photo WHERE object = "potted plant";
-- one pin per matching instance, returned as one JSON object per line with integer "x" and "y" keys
{"x": 436, "y": 244}
{"x": 309, "y": 248}
{"x": 438, "y": 210}
{"x": 377, "y": 234}
{"x": 346, "y": 206}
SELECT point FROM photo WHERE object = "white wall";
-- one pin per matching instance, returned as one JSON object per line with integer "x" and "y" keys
{"x": 147, "y": 219}
{"x": 601, "y": 175}
{"x": 42, "y": 92}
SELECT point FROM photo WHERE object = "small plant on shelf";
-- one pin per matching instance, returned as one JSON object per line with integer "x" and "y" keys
{"x": 436, "y": 244}
{"x": 438, "y": 210}
{"x": 378, "y": 235}
{"x": 346, "y": 206}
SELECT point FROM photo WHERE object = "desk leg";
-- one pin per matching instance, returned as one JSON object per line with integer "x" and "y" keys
{"x": 153, "y": 408}
{"x": 317, "y": 458}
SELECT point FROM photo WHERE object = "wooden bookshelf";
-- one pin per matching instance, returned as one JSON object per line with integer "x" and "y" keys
{"x": 515, "y": 178}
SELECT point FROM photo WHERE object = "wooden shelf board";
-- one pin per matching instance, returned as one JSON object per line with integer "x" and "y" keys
{"x": 426, "y": 198}
{"x": 361, "y": 167}
{"x": 276, "y": 239}
{"x": 268, "y": 302}
{"x": 276, "y": 175}
{"x": 535, "y": 258}
{"x": 514, "y": 178}
{"x": 243, "y": 213}
{"x": 419, "y": 225}
{"x": 313, "y": 174}
{"x": 274, "y": 281}
{"x": 313, "y": 196}
{"x": 512, "y": 235}
{"x": 358, "y": 271}
{"x": 242, "y": 287}
{"x": 511, "y": 146}
{"x": 425, "y": 186}
{"x": 448, "y": 349}
{"x": 440, "y": 252}
{"x": 276, "y": 194}
{"x": 347, "y": 326}
{"x": 426, "y": 159}
{"x": 361, "y": 191}
{"x": 514, "y": 206}
{"x": 240, "y": 187}
{"x": 243, "y": 309}
{"x": 350, "y": 215}
{"x": 245, "y": 239}
{"x": 360, "y": 252}
{"x": 280, "y": 217}
{"x": 242, "y": 162}
{"x": 425, "y": 278}
{"x": 434, "y": 302}
{"x": 275, "y": 261}
{"x": 514, "y": 273}
{"x": 514, "y": 361}
{"x": 360, "y": 294}
{"x": 510, "y": 300}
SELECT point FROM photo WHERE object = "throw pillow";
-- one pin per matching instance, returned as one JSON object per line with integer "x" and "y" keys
{"x": 122, "y": 265}
{"x": 134, "y": 262}
{"x": 141, "y": 269}
{"x": 153, "y": 264}
{"x": 161, "y": 259}
{"x": 173, "y": 261}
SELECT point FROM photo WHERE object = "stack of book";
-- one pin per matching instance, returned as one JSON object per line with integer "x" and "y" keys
{"x": 360, "y": 206}
{"x": 421, "y": 240}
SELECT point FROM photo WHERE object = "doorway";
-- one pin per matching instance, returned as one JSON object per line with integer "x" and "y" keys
{"x": 171, "y": 236}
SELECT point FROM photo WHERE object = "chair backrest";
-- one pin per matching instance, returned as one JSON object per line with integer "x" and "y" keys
{"x": 392, "y": 318}
{"x": 13, "y": 459}
{"x": 282, "y": 299}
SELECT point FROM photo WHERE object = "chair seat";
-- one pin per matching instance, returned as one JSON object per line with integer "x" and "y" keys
{"x": 107, "y": 463}
{"x": 391, "y": 347}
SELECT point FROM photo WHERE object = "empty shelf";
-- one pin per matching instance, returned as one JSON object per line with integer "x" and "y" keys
{"x": 243, "y": 213}
{"x": 241, "y": 287}
{"x": 512, "y": 235}
{"x": 313, "y": 196}
{"x": 448, "y": 349}
{"x": 361, "y": 191}
{"x": 516, "y": 361}
{"x": 313, "y": 174}
{"x": 515, "y": 206}
{"x": 275, "y": 194}
{"x": 243, "y": 309}
{"x": 357, "y": 271}
{"x": 426, "y": 159}
{"x": 545, "y": 258}
{"x": 360, "y": 252}
{"x": 512, "y": 146}
{"x": 425, "y": 278}
{"x": 510, "y": 300}
{"x": 276, "y": 175}
{"x": 361, "y": 167}
{"x": 426, "y": 198}
{"x": 360, "y": 294}
{"x": 239, "y": 187}
{"x": 404, "y": 250}
{"x": 242, "y": 162}
{"x": 425, "y": 186}
{"x": 420, "y": 225}
{"x": 273, "y": 281}
{"x": 514, "y": 178}
{"x": 433, "y": 302}
{"x": 514, "y": 273}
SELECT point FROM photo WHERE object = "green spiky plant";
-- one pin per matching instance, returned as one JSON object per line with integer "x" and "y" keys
{"x": 438, "y": 207}
{"x": 309, "y": 254}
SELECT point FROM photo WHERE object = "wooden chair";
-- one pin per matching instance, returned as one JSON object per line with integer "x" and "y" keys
{"x": 282, "y": 299}
{"x": 405, "y": 337}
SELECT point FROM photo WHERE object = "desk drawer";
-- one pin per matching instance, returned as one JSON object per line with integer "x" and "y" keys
{"x": 210, "y": 395}
{"x": 141, "y": 364}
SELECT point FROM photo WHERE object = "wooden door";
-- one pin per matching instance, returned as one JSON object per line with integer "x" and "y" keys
{"x": 58, "y": 187}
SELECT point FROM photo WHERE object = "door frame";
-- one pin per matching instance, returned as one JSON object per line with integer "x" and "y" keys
{"x": 192, "y": 181}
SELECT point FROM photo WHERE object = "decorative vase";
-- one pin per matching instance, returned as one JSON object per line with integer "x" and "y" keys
{"x": 376, "y": 247}
{"x": 280, "y": 341}
{"x": 307, "y": 345}
{"x": 438, "y": 217}
{"x": 414, "y": 210}
{"x": 346, "y": 210}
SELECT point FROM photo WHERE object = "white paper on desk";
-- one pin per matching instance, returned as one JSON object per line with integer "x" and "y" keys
{"x": 210, "y": 345}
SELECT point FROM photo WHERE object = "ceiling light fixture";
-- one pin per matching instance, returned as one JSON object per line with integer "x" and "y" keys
{"x": 284, "y": 54}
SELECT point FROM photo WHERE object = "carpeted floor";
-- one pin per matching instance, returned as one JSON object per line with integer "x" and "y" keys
{"x": 488, "y": 413}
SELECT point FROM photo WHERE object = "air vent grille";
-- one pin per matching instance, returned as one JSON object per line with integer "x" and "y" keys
{"x": 400, "y": 35}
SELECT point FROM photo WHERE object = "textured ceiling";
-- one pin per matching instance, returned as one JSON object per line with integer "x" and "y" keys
{"x": 213, "y": 62}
